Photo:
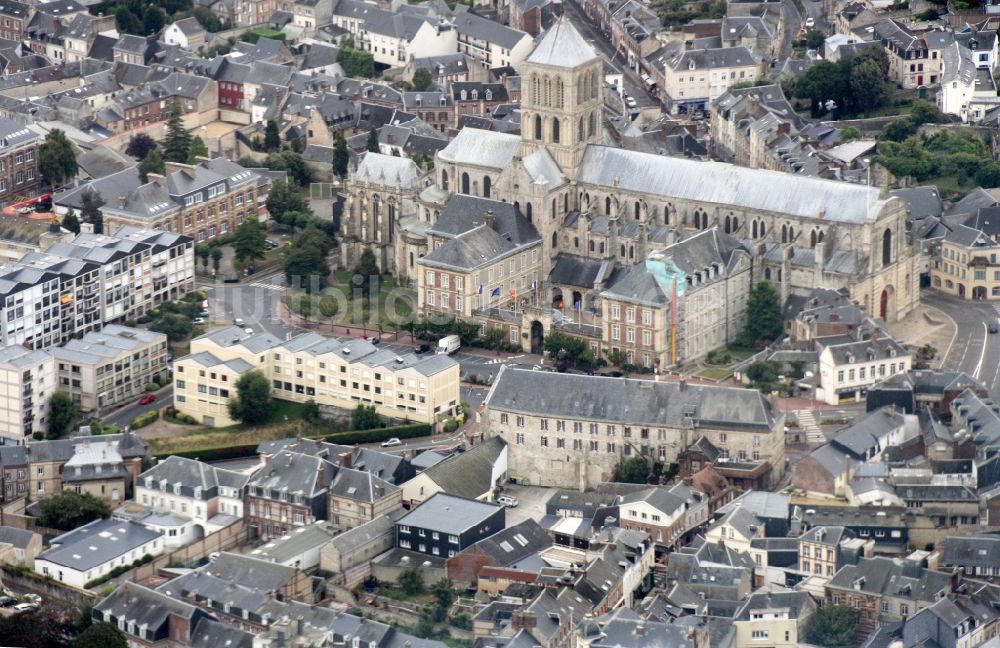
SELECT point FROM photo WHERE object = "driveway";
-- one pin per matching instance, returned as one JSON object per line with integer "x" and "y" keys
{"x": 530, "y": 502}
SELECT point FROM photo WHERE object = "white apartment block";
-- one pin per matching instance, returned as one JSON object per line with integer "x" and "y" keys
{"x": 26, "y": 382}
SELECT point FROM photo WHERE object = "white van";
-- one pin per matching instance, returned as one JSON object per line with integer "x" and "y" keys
{"x": 448, "y": 345}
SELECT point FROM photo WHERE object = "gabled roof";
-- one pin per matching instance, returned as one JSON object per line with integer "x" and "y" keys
{"x": 514, "y": 543}
{"x": 469, "y": 474}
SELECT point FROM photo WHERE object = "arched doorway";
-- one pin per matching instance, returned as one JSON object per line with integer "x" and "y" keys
{"x": 537, "y": 337}
{"x": 887, "y": 303}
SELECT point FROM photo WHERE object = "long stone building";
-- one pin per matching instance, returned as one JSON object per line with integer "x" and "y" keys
{"x": 602, "y": 212}
{"x": 572, "y": 431}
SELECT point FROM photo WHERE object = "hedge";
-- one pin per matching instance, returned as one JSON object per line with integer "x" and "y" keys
{"x": 118, "y": 571}
{"x": 352, "y": 437}
{"x": 145, "y": 419}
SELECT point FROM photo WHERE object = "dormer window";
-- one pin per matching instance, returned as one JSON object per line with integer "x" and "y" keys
{"x": 475, "y": 95}
{"x": 197, "y": 492}
{"x": 464, "y": 95}
{"x": 489, "y": 95}
{"x": 177, "y": 488}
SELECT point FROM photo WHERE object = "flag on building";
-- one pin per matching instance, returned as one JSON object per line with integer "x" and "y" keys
{"x": 496, "y": 292}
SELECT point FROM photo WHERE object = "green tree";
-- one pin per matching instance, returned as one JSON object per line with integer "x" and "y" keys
{"x": 152, "y": 20}
{"x": 249, "y": 241}
{"x": 341, "y": 157}
{"x": 762, "y": 373}
{"x": 634, "y": 470}
{"x": 207, "y": 19}
{"x": 203, "y": 251}
{"x": 411, "y": 581}
{"x": 90, "y": 210}
{"x": 367, "y": 269}
{"x": 560, "y": 346}
{"x": 140, "y": 145}
{"x": 272, "y": 137}
{"x": 62, "y": 415}
{"x": 216, "y": 258}
{"x": 305, "y": 267}
{"x": 47, "y": 627}
{"x": 67, "y": 510}
{"x": 850, "y": 133}
{"x": 196, "y": 150}
{"x": 177, "y": 142}
{"x": 152, "y": 163}
{"x": 126, "y": 21}
{"x": 764, "y": 322}
{"x": 311, "y": 413}
{"x": 833, "y": 625}
{"x": 71, "y": 222}
{"x": 285, "y": 197}
{"x": 822, "y": 82}
{"x": 373, "y": 141}
{"x": 815, "y": 38}
{"x": 328, "y": 306}
{"x": 364, "y": 417}
{"x": 57, "y": 159}
{"x": 291, "y": 162}
{"x": 356, "y": 63}
{"x": 422, "y": 80}
{"x": 101, "y": 635}
{"x": 494, "y": 339}
{"x": 869, "y": 86}
{"x": 175, "y": 326}
{"x": 252, "y": 403}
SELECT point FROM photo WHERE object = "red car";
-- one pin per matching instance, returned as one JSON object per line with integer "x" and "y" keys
{"x": 147, "y": 399}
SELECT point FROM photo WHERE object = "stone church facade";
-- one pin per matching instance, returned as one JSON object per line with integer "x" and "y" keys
{"x": 601, "y": 211}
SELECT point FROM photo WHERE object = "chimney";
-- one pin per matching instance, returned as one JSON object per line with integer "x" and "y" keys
{"x": 300, "y": 623}
{"x": 523, "y": 619}
{"x": 347, "y": 459}
{"x": 682, "y": 384}
{"x": 121, "y": 201}
{"x": 488, "y": 218}
{"x": 267, "y": 461}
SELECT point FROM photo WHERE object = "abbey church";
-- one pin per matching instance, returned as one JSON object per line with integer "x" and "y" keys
{"x": 650, "y": 256}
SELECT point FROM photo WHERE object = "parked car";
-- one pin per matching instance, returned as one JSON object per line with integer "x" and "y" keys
{"x": 507, "y": 500}
{"x": 271, "y": 244}
{"x": 25, "y": 607}
{"x": 630, "y": 102}
{"x": 198, "y": 320}
{"x": 147, "y": 399}
{"x": 422, "y": 348}
{"x": 248, "y": 331}
{"x": 994, "y": 328}
{"x": 239, "y": 322}
{"x": 810, "y": 23}
{"x": 374, "y": 339}
{"x": 33, "y": 598}
{"x": 391, "y": 443}
{"x": 7, "y": 601}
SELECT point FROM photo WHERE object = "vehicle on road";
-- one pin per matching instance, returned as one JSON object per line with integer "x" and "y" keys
{"x": 147, "y": 399}
{"x": 248, "y": 331}
{"x": 810, "y": 22}
{"x": 33, "y": 598}
{"x": 198, "y": 320}
{"x": 422, "y": 348}
{"x": 392, "y": 443}
{"x": 270, "y": 244}
{"x": 25, "y": 607}
{"x": 7, "y": 601}
{"x": 630, "y": 102}
{"x": 239, "y": 322}
{"x": 374, "y": 339}
{"x": 994, "y": 328}
{"x": 507, "y": 500}
{"x": 449, "y": 344}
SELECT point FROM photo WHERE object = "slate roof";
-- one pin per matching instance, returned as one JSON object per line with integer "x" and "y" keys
{"x": 360, "y": 486}
{"x": 711, "y": 59}
{"x": 514, "y": 543}
{"x": 463, "y": 213}
{"x": 973, "y": 551}
{"x": 727, "y": 184}
{"x": 577, "y": 271}
{"x": 294, "y": 473}
{"x": 470, "y": 250}
{"x": 628, "y": 401}
{"x": 475, "y": 26}
{"x": 797, "y": 604}
{"x": 468, "y": 474}
{"x": 264, "y": 575}
{"x": 143, "y": 606}
{"x": 892, "y": 577}
{"x": 96, "y": 543}
{"x": 449, "y": 514}
{"x": 835, "y": 461}
{"x": 16, "y": 537}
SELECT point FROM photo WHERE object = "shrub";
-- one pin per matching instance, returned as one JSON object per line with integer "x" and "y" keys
{"x": 152, "y": 386}
{"x": 145, "y": 419}
{"x": 451, "y": 425}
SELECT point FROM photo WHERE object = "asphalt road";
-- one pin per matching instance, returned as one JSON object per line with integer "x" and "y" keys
{"x": 973, "y": 350}
{"x": 124, "y": 415}
{"x": 602, "y": 42}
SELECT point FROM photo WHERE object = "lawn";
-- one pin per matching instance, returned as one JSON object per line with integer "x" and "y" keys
{"x": 740, "y": 354}
{"x": 715, "y": 373}
{"x": 395, "y": 303}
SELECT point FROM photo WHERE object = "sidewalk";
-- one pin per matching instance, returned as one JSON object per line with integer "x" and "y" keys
{"x": 926, "y": 325}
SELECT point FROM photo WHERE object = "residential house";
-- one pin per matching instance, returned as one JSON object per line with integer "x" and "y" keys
{"x": 186, "y": 33}
{"x": 967, "y": 90}
{"x": 15, "y": 17}
{"x": 445, "y": 524}
{"x": 290, "y": 490}
{"x": 476, "y": 474}
{"x": 974, "y": 555}
{"x": 848, "y": 367}
{"x": 503, "y": 549}
{"x": 735, "y": 529}
{"x": 19, "y": 174}
{"x": 887, "y": 590}
{"x": 888, "y": 528}
{"x": 711, "y": 571}
{"x": 95, "y": 549}
{"x": 951, "y": 624}
{"x": 664, "y": 513}
{"x": 434, "y": 107}
{"x": 357, "y": 497}
{"x": 150, "y": 618}
{"x": 107, "y": 464}
{"x": 300, "y": 548}
{"x": 964, "y": 268}
{"x": 826, "y": 471}
{"x": 14, "y": 471}
{"x": 202, "y": 499}
{"x": 476, "y": 99}
{"x": 914, "y": 61}
{"x": 98, "y": 469}
{"x": 696, "y": 78}
{"x": 351, "y": 552}
{"x": 490, "y": 44}
{"x": 19, "y": 236}
{"x": 133, "y": 49}
{"x": 825, "y": 549}
{"x": 775, "y": 619}
{"x": 19, "y": 547}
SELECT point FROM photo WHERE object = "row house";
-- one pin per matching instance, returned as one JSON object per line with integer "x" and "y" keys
{"x": 289, "y": 491}
{"x": 53, "y": 465}
{"x": 151, "y": 103}
{"x": 666, "y": 514}
{"x": 19, "y": 175}
{"x": 489, "y": 44}
{"x": 472, "y": 98}
{"x": 313, "y": 367}
{"x": 14, "y": 469}
{"x": 915, "y": 61}
{"x": 435, "y": 108}
{"x": 14, "y": 19}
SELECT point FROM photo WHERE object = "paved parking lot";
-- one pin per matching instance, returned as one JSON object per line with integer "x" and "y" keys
{"x": 530, "y": 502}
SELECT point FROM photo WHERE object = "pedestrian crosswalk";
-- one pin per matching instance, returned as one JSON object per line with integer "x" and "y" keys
{"x": 807, "y": 422}
{"x": 268, "y": 285}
